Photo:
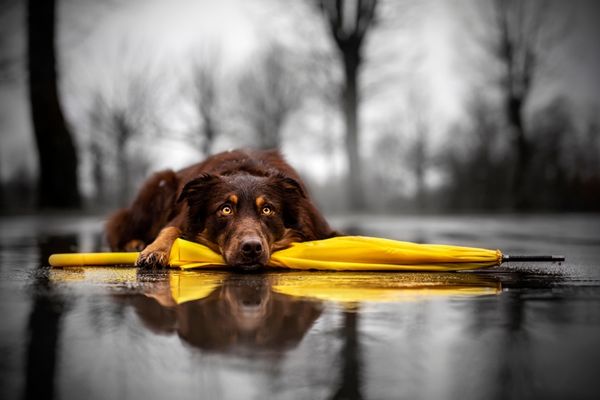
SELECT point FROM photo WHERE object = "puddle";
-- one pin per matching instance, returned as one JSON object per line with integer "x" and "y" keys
{"x": 517, "y": 331}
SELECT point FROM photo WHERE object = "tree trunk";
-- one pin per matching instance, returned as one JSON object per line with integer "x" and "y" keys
{"x": 419, "y": 171}
{"x": 57, "y": 180}
{"x": 521, "y": 145}
{"x": 124, "y": 171}
{"x": 98, "y": 162}
{"x": 349, "y": 24}
{"x": 209, "y": 136}
{"x": 350, "y": 99}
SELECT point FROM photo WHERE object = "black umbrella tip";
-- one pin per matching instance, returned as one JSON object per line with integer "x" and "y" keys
{"x": 545, "y": 258}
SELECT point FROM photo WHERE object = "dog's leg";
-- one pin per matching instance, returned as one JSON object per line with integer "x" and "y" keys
{"x": 157, "y": 252}
{"x": 118, "y": 230}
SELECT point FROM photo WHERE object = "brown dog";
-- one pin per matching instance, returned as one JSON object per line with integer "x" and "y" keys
{"x": 242, "y": 204}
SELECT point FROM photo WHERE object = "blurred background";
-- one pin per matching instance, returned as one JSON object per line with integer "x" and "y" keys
{"x": 383, "y": 106}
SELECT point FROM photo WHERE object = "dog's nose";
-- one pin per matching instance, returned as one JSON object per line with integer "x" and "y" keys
{"x": 252, "y": 249}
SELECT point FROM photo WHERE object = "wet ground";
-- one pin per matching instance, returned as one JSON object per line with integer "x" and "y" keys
{"x": 517, "y": 331}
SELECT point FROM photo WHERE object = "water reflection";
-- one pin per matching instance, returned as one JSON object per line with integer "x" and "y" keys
{"x": 43, "y": 329}
{"x": 352, "y": 288}
{"x": 264, "y": 314}
{"x": 226, "y": 313}
{"x": 350, "y": 382}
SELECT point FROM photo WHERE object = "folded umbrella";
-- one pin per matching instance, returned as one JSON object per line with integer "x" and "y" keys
{"x": 349, "y": 253}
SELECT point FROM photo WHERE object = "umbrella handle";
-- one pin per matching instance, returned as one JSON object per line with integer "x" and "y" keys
{"x": 508, "y": 258}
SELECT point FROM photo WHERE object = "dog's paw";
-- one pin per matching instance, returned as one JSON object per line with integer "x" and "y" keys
{"x": 152, "y": 259}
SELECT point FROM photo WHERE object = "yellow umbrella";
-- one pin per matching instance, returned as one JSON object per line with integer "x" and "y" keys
{"x": 352, "y": 253}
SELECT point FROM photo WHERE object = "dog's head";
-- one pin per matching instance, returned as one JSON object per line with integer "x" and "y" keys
{"x": 243, "y": 217}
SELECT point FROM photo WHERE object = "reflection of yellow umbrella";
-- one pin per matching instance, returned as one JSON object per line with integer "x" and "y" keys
{"x": 187, "y": 286}
{"x": 340, "y": 287}
{"x": 94, "y": 275}
{"x": 354, "y": 253}
{"x": 344, "y": 287}
{"x": 350, "y": 287}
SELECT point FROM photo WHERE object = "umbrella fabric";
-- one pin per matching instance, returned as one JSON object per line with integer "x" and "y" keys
{"x": 358, "y": 253}
{"x": 81, "y": 259}
{"x": 350, "y": 253}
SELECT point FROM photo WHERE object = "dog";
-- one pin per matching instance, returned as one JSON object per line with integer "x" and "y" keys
{"x": 243, "y": 204}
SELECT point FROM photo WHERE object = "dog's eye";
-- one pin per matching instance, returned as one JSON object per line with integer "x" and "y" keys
{"x": 266, "y": 210}
{"x": 226, "y": 210}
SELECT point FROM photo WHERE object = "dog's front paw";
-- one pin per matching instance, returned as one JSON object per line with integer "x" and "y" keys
{"x": 152, "y": 259}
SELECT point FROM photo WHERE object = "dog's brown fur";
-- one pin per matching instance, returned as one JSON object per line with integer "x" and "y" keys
{"x": 242, "y": 204}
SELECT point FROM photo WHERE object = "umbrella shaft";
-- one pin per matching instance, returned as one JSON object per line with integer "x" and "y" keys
{"x": 507, "y": 258}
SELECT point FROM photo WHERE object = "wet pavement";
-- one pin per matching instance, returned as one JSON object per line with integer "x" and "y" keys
{"x": 516, "y": 331}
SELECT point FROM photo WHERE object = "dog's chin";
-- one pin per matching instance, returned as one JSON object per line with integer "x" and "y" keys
{"x": 246, "y": 268}
{"x": 243, "y": 265}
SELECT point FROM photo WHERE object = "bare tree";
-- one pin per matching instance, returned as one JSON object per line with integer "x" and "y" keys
{"x": 269, "y": 96}
{"x": 205, "y": 96}
{"x": 127, "y": 115}
{"x": 57, "y": 182}
{"x": 388, "y": 172}
{"x": 349, "y": 22}
{"x": 483, "y": 184}
{"x": 518, "y": 42}
{"x": 417, "y": 154}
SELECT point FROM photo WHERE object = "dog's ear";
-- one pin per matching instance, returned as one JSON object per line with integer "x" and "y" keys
{"x": 290, "y": 186}
{"x": 196, "y": 193}
{"x": 196, "y": 190}
{"x": 293, "y": 196}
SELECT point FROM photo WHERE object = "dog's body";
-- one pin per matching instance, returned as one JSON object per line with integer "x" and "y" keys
{"x": 242, "y": 204}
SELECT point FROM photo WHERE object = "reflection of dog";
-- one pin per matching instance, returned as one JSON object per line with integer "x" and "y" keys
{"x": 240, "y": 316}
{"x": 242, "y": 204}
